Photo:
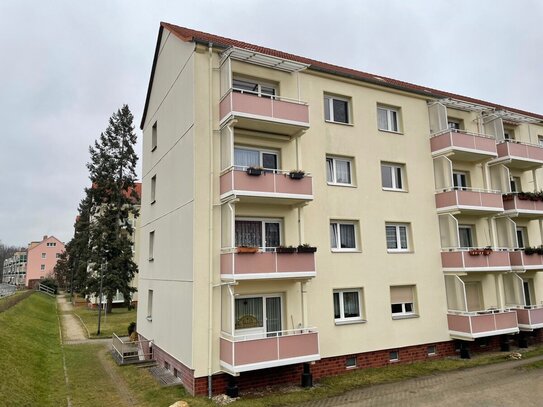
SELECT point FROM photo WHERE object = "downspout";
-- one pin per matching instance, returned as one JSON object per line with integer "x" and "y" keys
{"x": 210, "y": 220}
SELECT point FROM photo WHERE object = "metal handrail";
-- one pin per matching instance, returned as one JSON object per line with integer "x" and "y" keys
{"x": 265, "y": 170}
{"x": 469, "y": 189}
{"x": 487, "y": 311}
{"x": 469, "y": 133}
{"x": 261, "y": 249}
{"x": 267, "y": 335}
{"x": 273, "y": 97}
{"x": 467, "y": 249}
{"x": 520, "y": 142}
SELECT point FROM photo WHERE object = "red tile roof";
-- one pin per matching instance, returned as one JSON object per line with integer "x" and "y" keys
{"x": 188, "y": 35}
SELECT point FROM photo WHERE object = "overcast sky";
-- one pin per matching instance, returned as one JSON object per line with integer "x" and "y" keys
{"x": 66, "y": 66}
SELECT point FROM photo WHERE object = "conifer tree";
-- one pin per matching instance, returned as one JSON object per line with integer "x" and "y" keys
{"x": 113, "y": 174}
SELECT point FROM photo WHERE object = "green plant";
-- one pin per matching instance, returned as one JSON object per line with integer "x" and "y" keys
{"x": 131, "y": 328}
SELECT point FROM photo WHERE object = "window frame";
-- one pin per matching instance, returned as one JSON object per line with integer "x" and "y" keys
{"x": 263, "y": 329}
{"x": 523, "y": 232}
{"x": 472, "y": 237}
{"x": 343, "y": 320}
{"x": 261, "y": 152}
{"x": 153, "y": 189}
{"x": 404, "y": 313}
{"x": 259, "y": 84}
{"x": 394, "y": 178}
{"x": 328, "y": 98}
{"x": 397, "y": 227}
{"x": 334, "y": 181}
{"x": 42, "y": 267}
{"x": 457, "y": 176}
{"x": 389, "y": 109}
{"x": 151, "y": 245}
{"x": 263, "y": 222}
{"x": 338, "y": 236}
{"x": 154, "y": 136}
{"x": 459, "y": 122}
{"x": 44, "y": 255}
{"x": 150, "y": 294}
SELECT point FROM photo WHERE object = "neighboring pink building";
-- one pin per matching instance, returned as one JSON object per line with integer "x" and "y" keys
{"x": 42, "y": 258}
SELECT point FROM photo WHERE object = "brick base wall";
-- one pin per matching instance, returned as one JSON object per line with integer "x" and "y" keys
{"x": 331, "y": 366}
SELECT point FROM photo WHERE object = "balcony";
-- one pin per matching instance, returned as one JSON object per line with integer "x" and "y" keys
{"x": 465, "y": 146}
{"x": 475, "y": 260}
{"x": 530, "y": 318}
{"x": 473, "y": 325}
{"x": 520, "y": 156}
{"x": 522, "y": 206}
{"x": 522, "y": 261}
{"x": 260, "y": 351}
{"x": 267, "y": 265}
{"x": 469, "y": 201}
{"x": 270, "y": 187}
{"x": 275, "y": 114}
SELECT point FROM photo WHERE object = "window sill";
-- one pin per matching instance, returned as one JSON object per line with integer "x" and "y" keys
{"x": 391, "y": 131}
{"x": 400, "y": 251}
{"x": 337, "y": 184}
{"x": 344, "y": 124}
{"x": 410, "y": 316}
{"x": 345, "y": 251}
{"x": 338, "y": 322}
{"x": 153, "y": 149}
{"x": 394, "y": 190}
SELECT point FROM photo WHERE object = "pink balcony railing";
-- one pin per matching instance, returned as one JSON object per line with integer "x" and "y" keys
{"x": 274, "y": 185}
{"x": 251, "y": 106}
{"x": 267, "y": 265}
{"x": 525, "y": 207}
{"x": 469, "y": 200}
{"x": 468, "y": 144}
{"x": 480, "y": 324}
{"x": 522, "y": 261}
{"x": 531, "y": 154}
{"x": 462, "y": 260}
{"x": 530, "y": 318}
{"x": 258, "y": 351}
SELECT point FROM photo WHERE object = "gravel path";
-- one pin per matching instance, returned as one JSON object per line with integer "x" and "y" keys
{"x": 72, "y": 330}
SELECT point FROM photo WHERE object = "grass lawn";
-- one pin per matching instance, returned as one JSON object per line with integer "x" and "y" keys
{"x": 31, "y": 362}
{"x": 116, "y": 322}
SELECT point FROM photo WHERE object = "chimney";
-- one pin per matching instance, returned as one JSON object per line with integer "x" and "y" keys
{"x": 44, "y": 237}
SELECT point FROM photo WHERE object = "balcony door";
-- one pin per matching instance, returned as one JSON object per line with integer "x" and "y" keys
{"x": 264, "y": 233}
{"x": 465, "y": 233}
{"x": 474, "y": 296}
{"x": 528, "y": 286}
{"x": 460, "y": 180}
{"x": 258, "y": 316}
{"x": 259, "y": 88}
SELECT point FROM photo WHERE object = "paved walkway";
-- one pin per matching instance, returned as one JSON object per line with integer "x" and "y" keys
{"x": 505, "y": 384}
{"x": 72, "y": 329}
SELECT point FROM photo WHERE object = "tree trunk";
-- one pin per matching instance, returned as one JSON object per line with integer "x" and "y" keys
{"x": 109, "y": 305}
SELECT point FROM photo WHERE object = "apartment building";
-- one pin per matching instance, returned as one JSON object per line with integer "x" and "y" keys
{"x": 302, "y": 218}
{"x": 14, "y": 271}
{"x": 42, "y": 256}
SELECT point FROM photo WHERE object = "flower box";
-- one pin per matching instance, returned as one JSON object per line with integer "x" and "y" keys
{"x": 283, "y": 249}
{"x": 306, "y": 249}
{"x": 245, "y": 249}
{"x": 255, "y": 171}
{"x": 296, "y": 174}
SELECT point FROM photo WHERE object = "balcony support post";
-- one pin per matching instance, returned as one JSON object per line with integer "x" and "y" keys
{"x": 232, "y": 389}
{"x": 504, "y": 343}
{"x": 464, "y": 350}
{"x": 307, "y": 377}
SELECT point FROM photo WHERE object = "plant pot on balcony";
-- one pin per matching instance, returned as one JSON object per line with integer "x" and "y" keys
{"x": 529, "y": 251}
{"x": 296, "y": 174}
{"x": 487, "y": 251}
{"x": 254, "y": 171}
{"x": 508, "y": 197}
{"x": 283, "y": 249}
{"x": 305, "y": 248}
{"x": 246, "y": 250}
{"x": 475, "y": 252}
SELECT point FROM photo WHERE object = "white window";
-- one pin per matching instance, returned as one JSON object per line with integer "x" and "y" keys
{"x": 151, "y": 245}
{"x": 522, "y": 241}
{"x": 388, "y": 118}
{"x": 251, "y": 86}
{"x": 455, "y": 124}
{"x": 508, "y": 133}
{"x": 397, "y": 237}
{"x": 394, "y": 356}
{"x": 336, "y": 109}
{"x": 260, "y": 314}
{"x": 339, "y": 171}
{"x": 153, "y": 189}
{"x": 515, "y": 184}
{"x": 42, "y": 267}
{"x": 350, "y": 363}
{"x": 264, "y": 233}
{"x": 431, "y": 350}
{"x": 154, "y": 137}
{"x": 540, "y": 141}
{"x": 343, "y": 236}
{"x": 347, "y": 305}
{"x": 402, "y": 301}
{"x": 51, "y": 244}
{"x": 251, "y": 157}
{"x": 465, "y": 233}
{"x": 43, "y": 255}
{"x": 460, "y": 180}
{"x": 392, "y": 176}
{"x": 150, "y": 305}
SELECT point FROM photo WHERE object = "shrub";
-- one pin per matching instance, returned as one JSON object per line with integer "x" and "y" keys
{"x": 51, "y": 283}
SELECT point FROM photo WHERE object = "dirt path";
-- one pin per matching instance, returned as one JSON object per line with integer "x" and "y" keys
{"x": 504, "y": 384}
{"x": 72, "y": 329}
{"x": 122, "y": 389}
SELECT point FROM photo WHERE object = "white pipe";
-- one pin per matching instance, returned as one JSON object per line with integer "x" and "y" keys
{"x": 210, "y": 244}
